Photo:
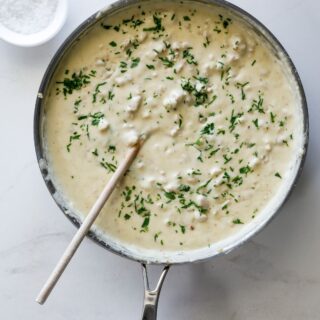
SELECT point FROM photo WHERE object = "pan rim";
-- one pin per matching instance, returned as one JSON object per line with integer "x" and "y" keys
{"x": 40, "y": 152}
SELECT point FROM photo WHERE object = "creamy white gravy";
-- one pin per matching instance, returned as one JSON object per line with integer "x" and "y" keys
{"x": 218, "y": 116}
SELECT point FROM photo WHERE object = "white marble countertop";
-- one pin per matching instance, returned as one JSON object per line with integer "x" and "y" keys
{"x": 274, "y": 276}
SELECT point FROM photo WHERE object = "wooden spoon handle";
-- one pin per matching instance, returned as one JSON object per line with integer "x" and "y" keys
{"x": 85, "y": 226}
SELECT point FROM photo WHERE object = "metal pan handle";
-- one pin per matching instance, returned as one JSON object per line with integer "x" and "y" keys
{"x": 151, "y": 297}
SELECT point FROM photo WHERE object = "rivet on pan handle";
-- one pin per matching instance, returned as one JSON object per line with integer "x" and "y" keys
{"x": 151, "y": 297}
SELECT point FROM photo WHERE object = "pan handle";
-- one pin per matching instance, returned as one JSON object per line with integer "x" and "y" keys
{"x": 151, "y": 297}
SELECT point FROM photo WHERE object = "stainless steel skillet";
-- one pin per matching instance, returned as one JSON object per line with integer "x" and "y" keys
{"x": 168, "y": 258}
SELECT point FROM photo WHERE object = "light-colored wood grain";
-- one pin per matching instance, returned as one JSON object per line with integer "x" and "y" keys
{"x": 85, "y": 226}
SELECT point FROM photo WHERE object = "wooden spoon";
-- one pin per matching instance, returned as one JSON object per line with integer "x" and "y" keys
{"x": 85, "y": 226}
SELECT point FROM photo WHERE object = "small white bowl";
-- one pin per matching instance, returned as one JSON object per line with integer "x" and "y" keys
{"x": 35, "y": 39}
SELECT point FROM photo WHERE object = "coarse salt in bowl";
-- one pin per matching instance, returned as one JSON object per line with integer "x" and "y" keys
{"x": 29, "y": 23}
